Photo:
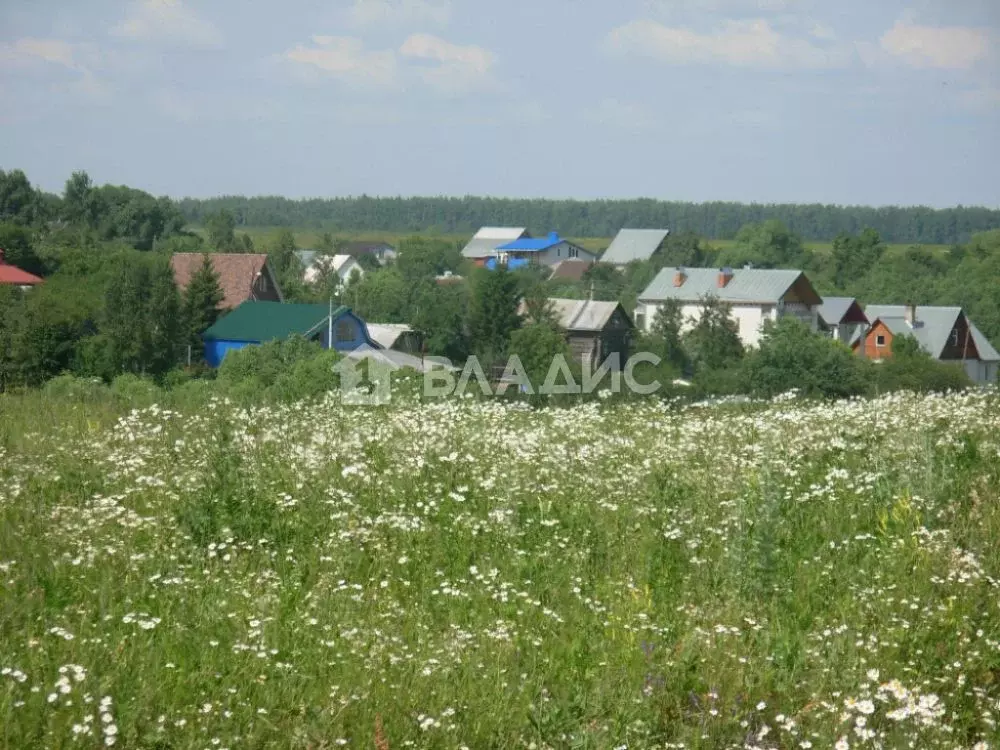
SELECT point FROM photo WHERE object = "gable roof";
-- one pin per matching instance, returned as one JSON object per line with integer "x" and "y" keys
{"x": 267, "y": 321}
{"x": 748, "y": 285}
{"x": 581, "y": 314}
{"x": 363, "y": 247}
{"x": 387, "y": 334}
{"x": 538, "y": 244}
{"x": 11, "y": 274}
{"x": 394, "y": 359}
{"x": 934, "y": 326}
{"x": 572, "y": 269}
{"x": 634, "y": 244}
{"x": 837, "y": 310}
{"x": 486, "y": 240}
{"x": 237, "y": 273}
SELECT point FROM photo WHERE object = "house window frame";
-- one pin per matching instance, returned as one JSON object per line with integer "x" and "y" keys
{"x": 880, "y": 341}
{"x": 343, "y": 325}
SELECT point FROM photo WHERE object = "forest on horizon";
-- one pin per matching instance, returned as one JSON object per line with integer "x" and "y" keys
{"x": 594, "y": 218}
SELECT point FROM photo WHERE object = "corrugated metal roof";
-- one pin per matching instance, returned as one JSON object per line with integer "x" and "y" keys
{"x": 267, "y": 321}
{"x": 746, "y": 285}
{"x": 581, "y": 314}
{"x": 486, "y": 240}
{"x": 634, "y": 244}
{"x": 934, "y": 325}
{"x": 833, "y": 309}
{"x": 570, "y": 270}
{"x": 533, "y": 243}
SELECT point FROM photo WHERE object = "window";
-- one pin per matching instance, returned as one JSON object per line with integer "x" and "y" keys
{"x": 345, "y": 331}
{"x": 880, "y": 341}
{"x": 558, "y": 252}
{"x": 954, "y": 337}
{"x": 573, "y": 252}
{"x": 263, "y": 282}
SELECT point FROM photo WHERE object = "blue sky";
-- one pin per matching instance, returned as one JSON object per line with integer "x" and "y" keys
{"x": 858, "y": 101}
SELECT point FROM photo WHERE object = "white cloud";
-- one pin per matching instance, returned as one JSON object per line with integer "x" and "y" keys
{"x": 621, "y": 114}
{"x": 74, "y": 60}
{"x": 168, "y": 21}
{"x": 949, "y": 47}
{"x": 458, "y": 67}
{"x": 400, "y": 12}
{"x": 346, "y": 58}
{"x": 752, "y": 43}
{"x": 30, "y": 50}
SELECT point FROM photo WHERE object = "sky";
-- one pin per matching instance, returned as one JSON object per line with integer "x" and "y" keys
{"x": 852, "y": 102}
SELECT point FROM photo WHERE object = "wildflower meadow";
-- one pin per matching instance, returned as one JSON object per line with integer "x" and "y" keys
{"x": 477, "y": 574}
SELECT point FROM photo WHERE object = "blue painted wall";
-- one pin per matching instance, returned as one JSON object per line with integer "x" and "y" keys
{"x": 349, "y": 332}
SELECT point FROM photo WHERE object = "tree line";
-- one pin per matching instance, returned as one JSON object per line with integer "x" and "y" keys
{"x": 594, "y": 218}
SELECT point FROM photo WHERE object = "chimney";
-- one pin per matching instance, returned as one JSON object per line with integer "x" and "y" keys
{"x": 725, "y": 276}
{"x": 910, "y": 314}
{"x": 679, "y": 277}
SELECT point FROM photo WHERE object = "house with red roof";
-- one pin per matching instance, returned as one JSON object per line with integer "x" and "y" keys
{"x": 11, "y": 275}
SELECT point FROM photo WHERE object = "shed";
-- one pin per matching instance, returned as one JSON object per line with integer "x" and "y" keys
{"x": 259, "y": 322}
{"x": 841, "y": 317}
{"x": 595, "y": 330}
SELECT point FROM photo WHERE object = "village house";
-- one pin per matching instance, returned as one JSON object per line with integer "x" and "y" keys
{"x": 383, "y": 252}
{"x": 842, "y": 318}
{"x": 753, "y": 295}
{"x": 634, "y": 245}
{"x": 594, "y": 329}
{"x": 316, "y": 265}
{"x": 545, "y": 251}
{"x": 396, "y": 337}
{"x": 256, "y": 322}
{"x": 945, "y": 333}
{"x": 484, "y": 243}
{"x": 11, "y": 275}
{"x": 242, "y": 276}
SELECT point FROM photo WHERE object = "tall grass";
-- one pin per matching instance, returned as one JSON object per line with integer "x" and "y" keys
{"x": 484, "y": 575}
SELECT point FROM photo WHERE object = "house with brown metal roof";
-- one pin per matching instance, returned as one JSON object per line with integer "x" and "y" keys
{"x": 242, "y": 276}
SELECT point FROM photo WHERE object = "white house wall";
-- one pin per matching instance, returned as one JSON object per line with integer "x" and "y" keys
{"x": 749, "y": 318}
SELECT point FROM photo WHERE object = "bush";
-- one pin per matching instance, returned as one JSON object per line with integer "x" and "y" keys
{"x": 911, "y": 369}
{"x": 72, "y": 388}
{"x": 284, "y": 370}
{"x": 791, "y": 356}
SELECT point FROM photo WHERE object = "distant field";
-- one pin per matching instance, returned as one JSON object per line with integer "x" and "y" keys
{"x": 264, "y": 237}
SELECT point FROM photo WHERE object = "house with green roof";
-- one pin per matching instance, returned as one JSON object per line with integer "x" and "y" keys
{"x": 259, "y": 322}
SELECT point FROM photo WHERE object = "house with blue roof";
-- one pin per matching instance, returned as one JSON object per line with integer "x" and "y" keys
{"x": 546, "y": 251}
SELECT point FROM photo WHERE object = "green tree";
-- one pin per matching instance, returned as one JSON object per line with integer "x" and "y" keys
{"x": 78, "y": 203}
{"x": 201, "y": 303}
{"x": 910, "y": 368}
{"x": 790, "y": 356}
{"x": 440, "y": 313}
{"x": 20, "y": 203}
{"x": 713, "y": 343}
{"x": 852, "y": 257}
{"x": 493, "y": 313}
{"x": 769, "y": 244}
{"x": 18, "y": 244}
{"x": 664, "y": 338}
{"x": 220, "y": 227}
{"x": 537, "y": 345}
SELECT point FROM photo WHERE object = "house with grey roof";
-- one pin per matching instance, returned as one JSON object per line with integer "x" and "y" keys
{"x": 753, "y": 296}
{"x": 634, "y": 245}
{"x": 945, "y": 333}
{"x": 595, "y": 330}
{"x": 484, "y": 243}
{"x": 842, "y": 318}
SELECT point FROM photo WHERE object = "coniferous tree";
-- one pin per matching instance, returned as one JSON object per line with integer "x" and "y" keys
{"x": 201, "y": 303}
{"x": 493, "y": 314}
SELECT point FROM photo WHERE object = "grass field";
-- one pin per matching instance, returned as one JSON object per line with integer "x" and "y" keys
{"x": 264, "y": 237}
{"x": 487, "y": 576}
